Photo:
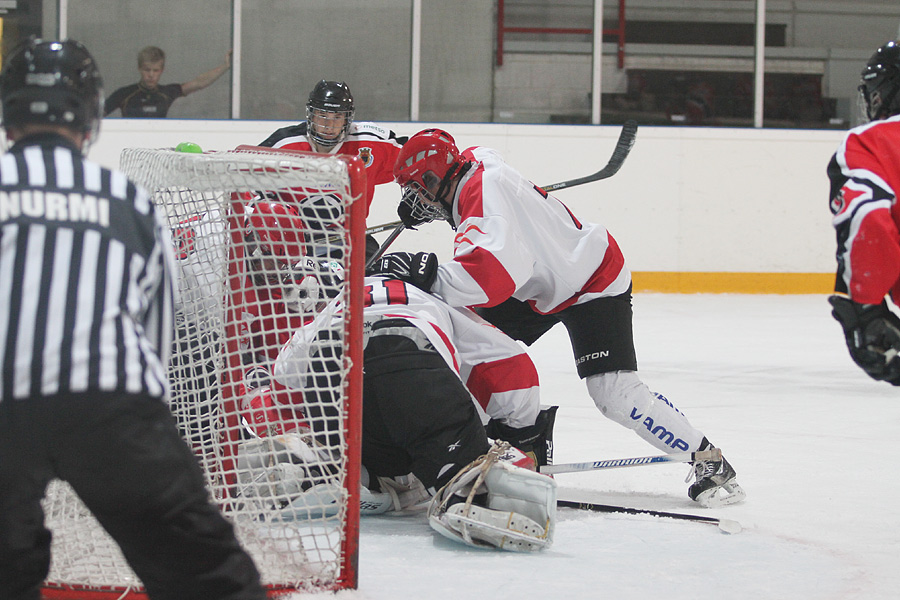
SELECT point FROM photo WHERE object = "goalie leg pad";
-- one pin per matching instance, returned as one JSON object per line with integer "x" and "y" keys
{"x": 286, "y": 473}
{"x": 517, "y": 514}
{"x": 485, "y": 527}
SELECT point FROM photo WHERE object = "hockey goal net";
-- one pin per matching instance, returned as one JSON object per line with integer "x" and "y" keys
{"x": 282, "y": 463}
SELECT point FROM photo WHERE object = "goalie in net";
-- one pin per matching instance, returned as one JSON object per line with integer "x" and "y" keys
{"x": 424, "y": 445}
{"x": 445, "y": 430}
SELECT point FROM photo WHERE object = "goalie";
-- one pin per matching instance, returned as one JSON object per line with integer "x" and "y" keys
{"x": 423, "y": 438}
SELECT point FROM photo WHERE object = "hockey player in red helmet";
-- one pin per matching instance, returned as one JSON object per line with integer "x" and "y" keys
{"x": 424, "y": 169}
{"x": 865, "y": 181}
{"x": 274, "y": 240}
{"x": 525, "y": 262}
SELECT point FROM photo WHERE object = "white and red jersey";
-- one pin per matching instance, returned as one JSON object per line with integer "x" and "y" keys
{"x": 496, "y": 370}
{"x": 865, "y": 180}
{"x": 515, "y": 240}
{"x": 376, "y": 146}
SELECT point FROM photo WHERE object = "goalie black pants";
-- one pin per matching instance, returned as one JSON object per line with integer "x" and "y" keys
{"x": 418, "y": 417}
{"x": 123, "y": 456}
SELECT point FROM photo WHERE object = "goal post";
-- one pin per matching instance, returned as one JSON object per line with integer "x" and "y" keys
{"x": 264, "y": 240}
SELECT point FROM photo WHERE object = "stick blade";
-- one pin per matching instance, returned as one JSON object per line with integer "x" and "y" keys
{"x": 729, "y": 526}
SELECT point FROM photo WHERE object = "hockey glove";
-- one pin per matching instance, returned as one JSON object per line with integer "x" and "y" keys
{"x": 872, "y": 333}
{"x": 419, "y": 269}
{"x": 535, "y": 441}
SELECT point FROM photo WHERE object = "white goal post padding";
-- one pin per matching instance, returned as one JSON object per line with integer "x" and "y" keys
{"x": 286, "y": 475}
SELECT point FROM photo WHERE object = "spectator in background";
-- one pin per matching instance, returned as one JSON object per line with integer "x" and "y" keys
{"x": 147, "y": 99}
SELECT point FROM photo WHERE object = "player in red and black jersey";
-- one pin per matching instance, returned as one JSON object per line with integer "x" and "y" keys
{"x": 865, "y": 180}
{"x": 330, "y": 129}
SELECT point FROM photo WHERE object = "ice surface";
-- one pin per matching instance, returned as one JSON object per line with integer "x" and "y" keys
{"x": 769, "y": 380}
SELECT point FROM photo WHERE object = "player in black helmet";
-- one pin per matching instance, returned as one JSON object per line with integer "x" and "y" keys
{"x": 329, "y": 113}
{"x": 86, "y": 312}
{"x": 865, "y": 182}
{"x": 881, "y": 82}
{"x": 330, "y": 128}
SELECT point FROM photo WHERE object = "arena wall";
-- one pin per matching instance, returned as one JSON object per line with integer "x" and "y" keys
{"x": 694, "y": 209}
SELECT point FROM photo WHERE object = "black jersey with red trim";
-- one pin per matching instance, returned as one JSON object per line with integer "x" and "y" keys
{"x": 138, "y": 102}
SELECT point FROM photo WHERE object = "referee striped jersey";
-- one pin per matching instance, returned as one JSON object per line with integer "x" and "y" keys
{"x": 85, "y": 277}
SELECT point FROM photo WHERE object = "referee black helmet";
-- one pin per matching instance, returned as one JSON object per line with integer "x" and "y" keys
{"x": 52, "y": 83}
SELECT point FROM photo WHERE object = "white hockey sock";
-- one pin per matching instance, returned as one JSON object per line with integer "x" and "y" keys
{"x": 624, "y": 398}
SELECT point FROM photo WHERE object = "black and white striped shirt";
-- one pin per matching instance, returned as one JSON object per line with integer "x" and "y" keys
{"x": 85, "y": 277}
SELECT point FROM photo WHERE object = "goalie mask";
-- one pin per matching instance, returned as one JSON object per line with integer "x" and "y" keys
{"x": 52, "y": 83}
{"x": 881, "y": 83}
{"x": 425, "y": 169}
{"x": 329, "y": 113}
{"x": 310, "y": 283}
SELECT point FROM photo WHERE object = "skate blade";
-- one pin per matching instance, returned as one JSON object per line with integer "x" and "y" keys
{"x": 724, "y": 495}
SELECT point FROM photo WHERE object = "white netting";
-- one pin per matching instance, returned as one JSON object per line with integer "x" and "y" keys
{"x": 262, "y": 241}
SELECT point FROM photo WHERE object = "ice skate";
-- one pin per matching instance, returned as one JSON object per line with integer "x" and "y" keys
{"x": 715, "y": 483}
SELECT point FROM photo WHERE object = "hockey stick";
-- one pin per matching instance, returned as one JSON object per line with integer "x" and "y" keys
{"x": 618, "y": 463}
{"x": 383, "y": 227}
{"x": 384, "y": 246}
{"x": 724, "y": 525}
{"x": 620, "y": 153}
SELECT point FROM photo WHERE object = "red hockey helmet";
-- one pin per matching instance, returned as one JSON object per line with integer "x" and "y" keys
{"x": 278, "y": 229}
{"x": 275, "y": 241}
{"x": 424, "y": 169}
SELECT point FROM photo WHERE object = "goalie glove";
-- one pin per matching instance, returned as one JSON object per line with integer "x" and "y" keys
{"x": 492, "y": 503}
{"x": 872, "y": 333}
{"x": 419, "y": 269}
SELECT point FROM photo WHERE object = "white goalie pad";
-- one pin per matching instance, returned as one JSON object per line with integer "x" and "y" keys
{"x": 496, "y": 504}
{"x": 287, "y": 473}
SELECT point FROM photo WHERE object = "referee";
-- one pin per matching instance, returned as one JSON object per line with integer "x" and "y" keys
{"x": 85, "y": 328}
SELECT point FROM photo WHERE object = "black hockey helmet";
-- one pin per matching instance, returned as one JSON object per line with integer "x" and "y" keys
{"x": 881, "y": 82}
{"x": 53, "y": 83}
{"x": 329, "y": 97}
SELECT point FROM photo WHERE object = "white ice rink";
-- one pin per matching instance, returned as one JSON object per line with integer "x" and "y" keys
{"x": 768, "y": 379}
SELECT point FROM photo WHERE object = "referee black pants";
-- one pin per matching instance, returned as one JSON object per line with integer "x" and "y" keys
{"x": 123, "y": 456}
